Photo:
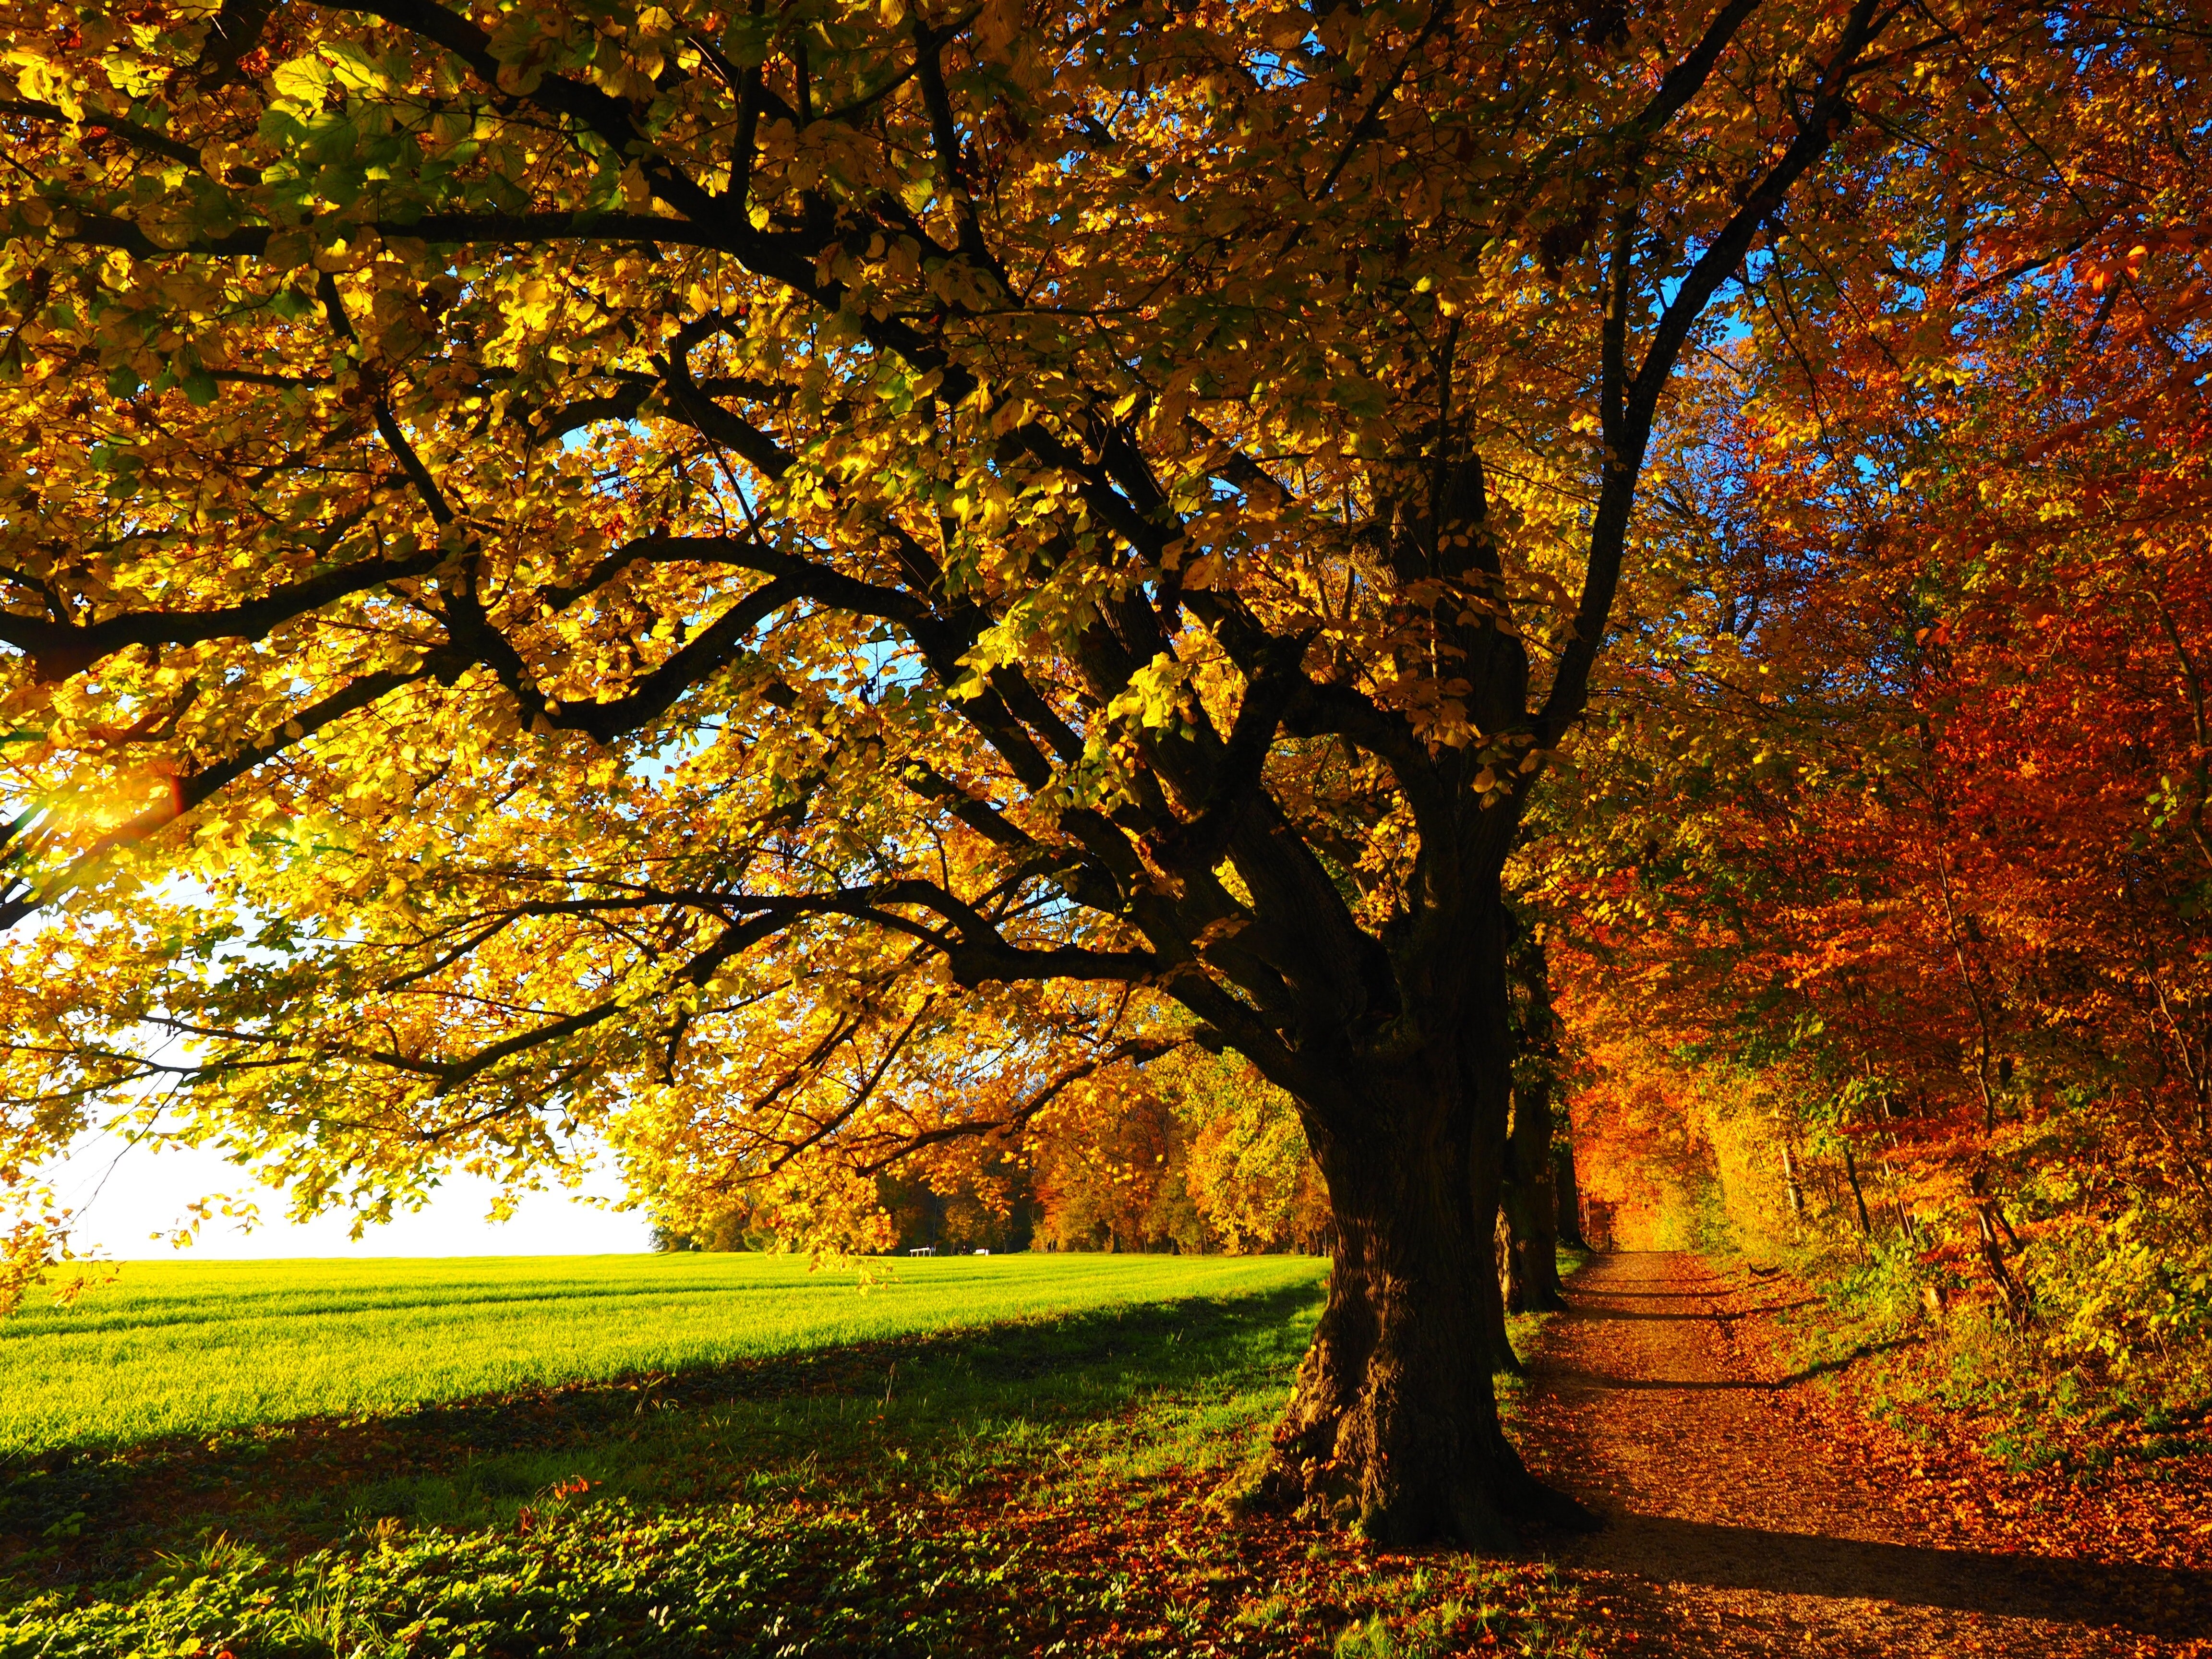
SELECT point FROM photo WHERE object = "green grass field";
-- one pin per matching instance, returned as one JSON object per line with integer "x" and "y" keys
{"x": 694, "y": 1455}
{"x": 172, "y": 1347}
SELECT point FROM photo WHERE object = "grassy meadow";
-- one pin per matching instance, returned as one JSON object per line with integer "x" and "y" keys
{"x": 169, "y": 1347}
{"x": 646, "y": 1455}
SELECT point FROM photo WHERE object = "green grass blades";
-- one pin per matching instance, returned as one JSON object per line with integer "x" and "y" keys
{"x": 169, "y": 1349}
{"x": 734, "y": 1580}
{"x": 1047, "y": 1486}
{"x": 945, "y": 1413}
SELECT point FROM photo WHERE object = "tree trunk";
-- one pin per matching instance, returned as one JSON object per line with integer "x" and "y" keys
{"x": 1393, "y": 1424}
{"x": 1905, "y": 1221}
{"x": 1506, "y": 1259}
{"x": 1859, "y": 1194}
{"x": 2018, "y": 1307}
{"x": 1532, "y": 1276}
{"x": 1533, "y": 1270}
{"x": 1567, "y": 1194}
{"x": 1529, "y": 1203}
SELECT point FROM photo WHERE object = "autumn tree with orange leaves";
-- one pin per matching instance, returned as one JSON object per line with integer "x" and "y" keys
{"x": 1903, "y": 871}
{"x": 801, "y": 587}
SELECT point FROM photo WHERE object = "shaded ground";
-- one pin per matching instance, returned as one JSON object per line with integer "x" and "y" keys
{"x": 913, "y": 1401}
{"x": 1040, "y": 1490}
{"x": 1740, "y": 1526}
{"x": 1045, "y": 1489}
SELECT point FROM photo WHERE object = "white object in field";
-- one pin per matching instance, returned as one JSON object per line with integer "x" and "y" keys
{"x": 982, "y": 1253}
{"x": 926, "y": 1250}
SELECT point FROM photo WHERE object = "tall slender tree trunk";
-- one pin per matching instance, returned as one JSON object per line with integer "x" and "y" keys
{"x": 1531, "y": 1208}
{"x": 1858, "y": 1194}
{"x": 1530, "y": 1204}
{"x": 1567, "y": 1193}
{"x": 2019, "y": 1307}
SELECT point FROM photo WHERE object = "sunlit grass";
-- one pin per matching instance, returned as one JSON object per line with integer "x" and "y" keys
{"x": 1022, "y": 1455}
{"x": 171, "y": 1348}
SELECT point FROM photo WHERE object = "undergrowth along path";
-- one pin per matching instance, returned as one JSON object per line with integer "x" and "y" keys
{"x": 1737, "y": 1526}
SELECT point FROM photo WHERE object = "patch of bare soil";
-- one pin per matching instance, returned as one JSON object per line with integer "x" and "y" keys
{"x": 1738, "y": 1525}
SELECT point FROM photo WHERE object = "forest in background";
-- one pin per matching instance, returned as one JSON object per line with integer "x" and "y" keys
{"x": 1202, "y": 1157}
{"x": 1883, "y": 915}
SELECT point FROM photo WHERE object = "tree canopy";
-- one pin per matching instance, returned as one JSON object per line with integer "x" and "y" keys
{"x": 799, "y": 586}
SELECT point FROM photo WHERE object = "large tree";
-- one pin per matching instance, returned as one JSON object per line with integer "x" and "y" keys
{"x": 800, "y": 583}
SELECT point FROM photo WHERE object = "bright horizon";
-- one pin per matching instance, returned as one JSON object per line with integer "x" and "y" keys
{"x": 124, "y": 1199}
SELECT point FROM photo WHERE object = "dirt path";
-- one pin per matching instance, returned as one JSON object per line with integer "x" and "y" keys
{"x": 1734, "y": 1530}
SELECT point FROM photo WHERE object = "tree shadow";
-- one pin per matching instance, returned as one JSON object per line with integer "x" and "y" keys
{"x": 2145, "y": 1599}
{"x": 1564, "y": 1377}
{"x": 1723, "y": 1316}
{"x": 95, "y": 1509}
{"x": 1610, "y": 1294}
{"x": 1659, "y": 1550}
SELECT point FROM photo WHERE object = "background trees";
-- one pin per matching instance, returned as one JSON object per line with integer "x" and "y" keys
{"x": 1894, "y": 926}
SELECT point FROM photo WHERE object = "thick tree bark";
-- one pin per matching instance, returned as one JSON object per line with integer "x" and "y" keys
{"x": 1533, "y": 1278}
{"x": 1532, "y": 1281}
{"x": 1393, "y": 1424}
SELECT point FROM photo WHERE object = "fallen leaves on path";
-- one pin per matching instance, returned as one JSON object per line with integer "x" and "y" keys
{"x": 1755, "y": 1514}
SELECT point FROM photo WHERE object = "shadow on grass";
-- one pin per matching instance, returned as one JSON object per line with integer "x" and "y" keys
{"x": 937, "y": 1411}
{"x": 1044, "y": 1489}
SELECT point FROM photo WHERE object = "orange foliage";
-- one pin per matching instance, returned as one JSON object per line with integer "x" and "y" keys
{"x": 1892, "y": 855}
